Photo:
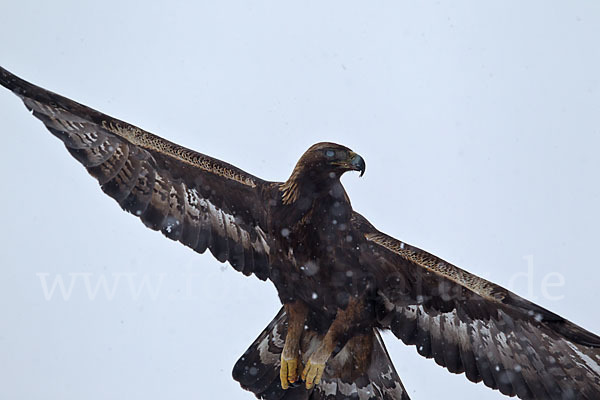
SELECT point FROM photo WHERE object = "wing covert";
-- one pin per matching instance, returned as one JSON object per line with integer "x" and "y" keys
{"x": 200, "y": 201}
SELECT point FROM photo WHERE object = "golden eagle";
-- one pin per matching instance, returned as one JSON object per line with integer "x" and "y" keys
{"x": 341, "y": 281}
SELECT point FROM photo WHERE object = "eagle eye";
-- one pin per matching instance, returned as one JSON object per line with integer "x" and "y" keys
{"x": 329, "y": 153}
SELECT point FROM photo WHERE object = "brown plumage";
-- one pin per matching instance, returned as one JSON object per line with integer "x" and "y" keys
{"x": 339, "y": 278}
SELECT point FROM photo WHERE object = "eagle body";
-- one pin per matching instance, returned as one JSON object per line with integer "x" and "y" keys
{"x": 340, "y": 280}
{"x": 320, "y": 252}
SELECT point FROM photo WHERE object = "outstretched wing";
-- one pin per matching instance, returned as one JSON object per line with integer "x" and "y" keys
{"x": 190, "y": 197}
{"x": 472, "y": 326}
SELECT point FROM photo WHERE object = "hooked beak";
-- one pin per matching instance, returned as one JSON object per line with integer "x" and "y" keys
{"x": 357, "y": 163}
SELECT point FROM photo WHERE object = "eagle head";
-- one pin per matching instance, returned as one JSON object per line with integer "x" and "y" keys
{"x": 331, "y": 159}
{"x": 319, "y": 168}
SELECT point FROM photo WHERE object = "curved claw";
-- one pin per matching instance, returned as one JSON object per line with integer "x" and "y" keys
{"x": 312, "y": 373}
{"x": 288, "y": 373}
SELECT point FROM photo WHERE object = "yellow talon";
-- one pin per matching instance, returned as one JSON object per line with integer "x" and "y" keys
{"x": 312, "y": 374}
{"x": 288, "y": 373}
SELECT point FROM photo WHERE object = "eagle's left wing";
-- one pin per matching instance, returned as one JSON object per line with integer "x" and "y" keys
{"x": 472, "y": 326}
{"x": 200, "y": 201}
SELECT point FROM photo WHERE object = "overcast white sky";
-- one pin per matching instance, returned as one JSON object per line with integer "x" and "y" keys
{"x": 479, "y": 123}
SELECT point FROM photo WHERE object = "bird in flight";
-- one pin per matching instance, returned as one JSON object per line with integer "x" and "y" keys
{"x": 340, "y": 280}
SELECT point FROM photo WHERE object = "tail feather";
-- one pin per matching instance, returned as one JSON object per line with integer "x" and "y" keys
{"x": 361, "y": 370}
{"x": 259, "y": 366}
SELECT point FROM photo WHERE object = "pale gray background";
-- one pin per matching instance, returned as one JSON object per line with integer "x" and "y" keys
{"x": 479, "y": 122}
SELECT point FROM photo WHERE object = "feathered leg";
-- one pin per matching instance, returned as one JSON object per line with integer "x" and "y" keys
{"x": 344, "y": 321}
{"x": 290, "y": 356}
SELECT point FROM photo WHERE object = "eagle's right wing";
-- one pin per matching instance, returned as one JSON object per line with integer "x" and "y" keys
{"x": 190, "y": 197}
{"x": 472, "y": 326}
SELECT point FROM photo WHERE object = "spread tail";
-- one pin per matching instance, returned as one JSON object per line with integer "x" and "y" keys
{"x": 361, "y": 370}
